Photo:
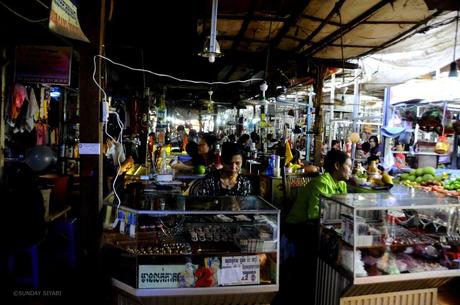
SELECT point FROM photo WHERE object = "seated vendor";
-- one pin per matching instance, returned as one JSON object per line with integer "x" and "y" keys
{"x": 338, "y": 169}
{"x": 202, "y": 154}
{"x": 226, "y": 181}
{"x": 192, "y": 150}
{"x": 301, "y": 228}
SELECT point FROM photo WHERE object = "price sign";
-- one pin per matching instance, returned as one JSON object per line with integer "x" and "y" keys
{"x": 160, "y": 276}
{"x": 247, "y": 268}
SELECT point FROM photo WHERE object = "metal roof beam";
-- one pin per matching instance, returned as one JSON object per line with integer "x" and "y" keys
{"x": 397, "y": 38}
{"x": 345, "y": 29}
{"x": 335, "y": 63}
{"x": 244, "y": 26}
{"x": 391, "y": 22}
{"x": 320, "y": 20}
{"x": 292, "y": 20}
{"x": 255, "y": 18}
{"x": 335, "y": 10}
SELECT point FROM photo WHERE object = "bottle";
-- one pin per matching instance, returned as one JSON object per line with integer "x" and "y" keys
{"x": 218, "y": 160}
{"x": 163, "y": 163}
{"x": 253, "y": 151}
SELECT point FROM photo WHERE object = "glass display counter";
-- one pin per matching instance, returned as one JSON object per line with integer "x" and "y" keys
{"x": 401, "y": 244}
{"x": 168, "y": 246}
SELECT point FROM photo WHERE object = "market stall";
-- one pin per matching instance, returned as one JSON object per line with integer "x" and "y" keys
{"x": 395, "y": 247}
{"x": 170, "y": 248}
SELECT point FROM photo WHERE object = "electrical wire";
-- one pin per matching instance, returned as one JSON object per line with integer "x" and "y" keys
{"x": 119, "y": 139}
{"x": 21, "y": 16}
{"x": 176, "y": 78}
{"x": 43, "y": 4}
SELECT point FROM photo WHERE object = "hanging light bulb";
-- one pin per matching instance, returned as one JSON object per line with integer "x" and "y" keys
{"x": 211, "y": 48}
{"x": 453, "y": 64}
{"x": 263, "y": 87}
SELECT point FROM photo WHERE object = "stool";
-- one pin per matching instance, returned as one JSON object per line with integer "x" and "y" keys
{"x": 67, "y": 228}
{"x": 32, "y": 252}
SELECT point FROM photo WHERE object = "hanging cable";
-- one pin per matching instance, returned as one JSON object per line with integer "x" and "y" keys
{"x": 120, "y": 123}
{"x": 21, "y": 16}
{"x": 43, "y": 4}
{"x": 268, "y": 50}
{"x": 173, "y": 77}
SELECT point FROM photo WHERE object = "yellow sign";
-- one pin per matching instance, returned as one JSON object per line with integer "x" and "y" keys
{"x": 64, "y": 20}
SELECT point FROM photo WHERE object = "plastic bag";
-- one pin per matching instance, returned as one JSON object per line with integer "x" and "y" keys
{"x": 442, "y": 146}
{"x": 389, "y": 159}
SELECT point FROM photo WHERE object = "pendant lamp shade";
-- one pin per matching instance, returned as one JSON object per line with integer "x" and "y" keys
{"x": 209, "y": 51}
{"x": 211, "y": 48}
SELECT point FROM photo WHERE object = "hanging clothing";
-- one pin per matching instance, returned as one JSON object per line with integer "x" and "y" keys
{"x": 42, "y": 134}
{"x": 54, "y": 136}
{"x": 32, "y": 109}
{"x": 19, "y": 96}
{"x": 44, "y": 103}
{"x": 20, "y": 123}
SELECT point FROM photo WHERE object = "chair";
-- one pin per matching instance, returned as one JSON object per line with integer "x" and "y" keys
{"x": 60, "y": 191}
{"x": 24, "y": 253}
{"x": 193, "y": 187}
{"x": 64, "y": 234}
{"x": 292, "y": 184}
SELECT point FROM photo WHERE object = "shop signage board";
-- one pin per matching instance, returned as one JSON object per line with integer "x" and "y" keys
{"x": 240, "y": 270}
{"x": 160, "y": 276}
{"x": 64, "y": 20}
{"x": 43, "y": 64}
{"x": 89, "y": 148}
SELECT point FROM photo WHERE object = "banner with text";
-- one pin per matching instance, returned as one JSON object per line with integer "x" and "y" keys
{"x": 64, "y": 20}
{"x": 43, "y": 64}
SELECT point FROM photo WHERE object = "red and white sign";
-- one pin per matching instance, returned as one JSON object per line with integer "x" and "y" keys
{"x": 64, "y": 20}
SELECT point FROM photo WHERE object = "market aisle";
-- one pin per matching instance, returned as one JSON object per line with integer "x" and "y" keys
{"x": 449, "y": 294}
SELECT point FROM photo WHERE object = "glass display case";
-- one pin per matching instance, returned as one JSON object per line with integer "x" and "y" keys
{"x": 173, "y": 245}
{"x": 390, "y": 239}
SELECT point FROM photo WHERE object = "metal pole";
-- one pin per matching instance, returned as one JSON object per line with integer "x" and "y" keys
{"x": 331, "y": 110}
{"x": 356, "y": 104}
{"x": 386, "y": 116}
{"x": 308, "y": 140}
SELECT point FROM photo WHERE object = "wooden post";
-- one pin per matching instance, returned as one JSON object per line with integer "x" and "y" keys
{"x": 2, "y": 111}
{"x": 318, "y": 124}
{"x": 92, "y": 22}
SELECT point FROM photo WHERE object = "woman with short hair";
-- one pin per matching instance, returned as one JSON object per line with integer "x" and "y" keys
{"x": 226, "y": 181}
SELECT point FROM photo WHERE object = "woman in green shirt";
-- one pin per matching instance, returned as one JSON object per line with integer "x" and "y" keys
{"x": 305, "y": 209}
{"x": 301, "y": 227}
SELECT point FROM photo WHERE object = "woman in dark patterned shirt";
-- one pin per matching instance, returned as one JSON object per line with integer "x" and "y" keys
{"x": 226, "y": 181}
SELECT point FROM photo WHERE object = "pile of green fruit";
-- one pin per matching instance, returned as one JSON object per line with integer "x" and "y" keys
{"x": 452, "y": 185}
{"x": 423, "y": 175}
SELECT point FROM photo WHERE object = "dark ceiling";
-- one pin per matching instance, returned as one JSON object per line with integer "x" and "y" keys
{"x": 281, "y": 41}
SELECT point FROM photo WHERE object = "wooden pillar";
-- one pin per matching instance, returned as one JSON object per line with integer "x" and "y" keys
{"x": 2, "y": 110}
{"x": 318, "y": 124}
{"x": 92, "y": 20}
